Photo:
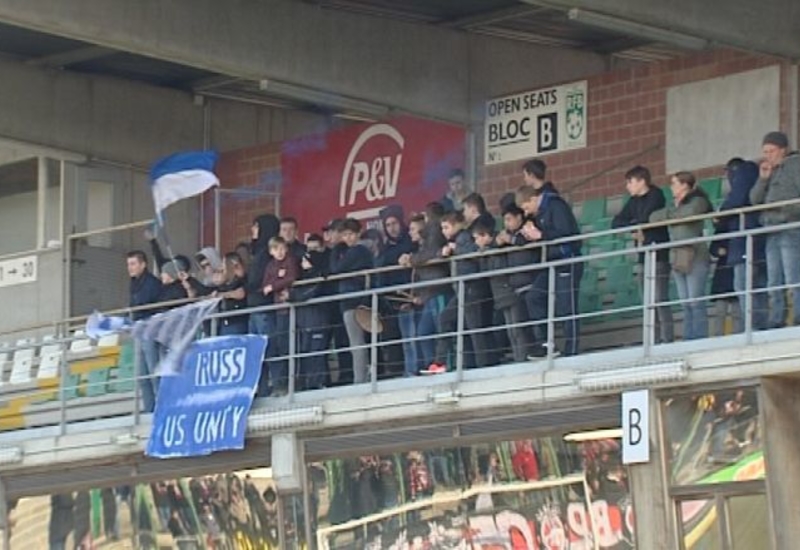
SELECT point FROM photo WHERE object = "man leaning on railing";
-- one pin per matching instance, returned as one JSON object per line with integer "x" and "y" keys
{"x": 779, "y": 180}
{"x": 145, "y": 289}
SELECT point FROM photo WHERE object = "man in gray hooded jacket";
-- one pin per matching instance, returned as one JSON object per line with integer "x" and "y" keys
{"x": 779, "y": 180}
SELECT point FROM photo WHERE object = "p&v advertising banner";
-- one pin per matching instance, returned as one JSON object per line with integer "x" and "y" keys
{"x": 204, "y": 407}
{"x": 357, "y": 170}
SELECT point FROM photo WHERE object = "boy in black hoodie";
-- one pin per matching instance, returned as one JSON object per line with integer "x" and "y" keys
{"x": 477, "y": 301}
{"x": 505, "y": 300}
{"x": 550, "y": 218}
{"x": 347, "y": 257}
{"x": 264, "y": 228}
{"x": 646, "y": 198}
{"x": 313, "y": 322}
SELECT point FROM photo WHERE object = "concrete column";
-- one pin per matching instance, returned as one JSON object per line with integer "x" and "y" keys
{"x": 651, "y": 504}
{"x": 780, "y": 409}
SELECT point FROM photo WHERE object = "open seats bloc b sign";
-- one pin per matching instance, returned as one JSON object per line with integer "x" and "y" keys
{"x": 537, "y": 122}
{"x": 636, "y": 427}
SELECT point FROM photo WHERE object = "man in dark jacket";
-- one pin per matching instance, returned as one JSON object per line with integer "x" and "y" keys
{"x": 350, "y": 256}
{"x": 742, "y": 176}
{"x": 779, "y": 180}
{"x": 288, "y": 232}
{"x": 401, "y": 321}
{"x": 313, "y": 321}
{"x": 646, "y": 198}
{"x": 475, "y": 212}
{"x": 145, "y": 289}
{"x": 551, "y": 219}
{"x": 264, "y": 228}
{"x": 534, "y": 173}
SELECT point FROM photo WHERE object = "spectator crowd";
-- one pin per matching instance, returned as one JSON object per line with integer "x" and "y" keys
{"x": 502, "y": 315}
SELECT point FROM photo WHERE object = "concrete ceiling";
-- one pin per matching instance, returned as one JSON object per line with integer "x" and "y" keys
{"x": 340, "y": 56}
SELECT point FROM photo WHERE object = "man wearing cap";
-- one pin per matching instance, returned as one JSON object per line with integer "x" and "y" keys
{"x": 779, "y": 180}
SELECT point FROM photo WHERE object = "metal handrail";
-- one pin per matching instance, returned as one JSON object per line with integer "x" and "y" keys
{"x": 461, "y": 332}
{"x": 448, "y": 261}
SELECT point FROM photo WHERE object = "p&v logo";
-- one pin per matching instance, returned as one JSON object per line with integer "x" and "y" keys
{"x": 377, "y": 177}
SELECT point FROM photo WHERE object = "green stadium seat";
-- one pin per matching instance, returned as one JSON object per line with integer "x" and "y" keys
{"x": 97, "y": 382}
{"x": 592, "y": 210}
{"x": 123, "y": 381}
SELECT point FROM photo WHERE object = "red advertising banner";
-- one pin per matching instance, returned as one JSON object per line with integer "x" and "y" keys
{"x": 357, "y": 170}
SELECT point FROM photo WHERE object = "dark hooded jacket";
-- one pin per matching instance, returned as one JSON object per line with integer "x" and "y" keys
{"x": 268, "y": 227}
{"x": 503, "y": 295}
{"x": 392, "y": 250}
{"x": 522, "y": 280}
{"x": 430, "y": 250}
{"x": 351, "y": 259}
{"x": 145, "y": 289}
{"x": 637, "y": 212}
{"x": 556, "y": 221}
{"x": 741, "y": 180}
{"x": 317, "y": 315}
{"x": 475, "y": 290}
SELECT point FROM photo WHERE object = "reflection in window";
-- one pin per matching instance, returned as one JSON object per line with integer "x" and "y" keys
{"x": 519, "y": 494}
{"x": 713, "y": 437}
{"x": 699, "y": 522}
{"x": 222, "y": 511}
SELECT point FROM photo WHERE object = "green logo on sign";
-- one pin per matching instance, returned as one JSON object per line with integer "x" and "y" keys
{"x": 576, "y": 114}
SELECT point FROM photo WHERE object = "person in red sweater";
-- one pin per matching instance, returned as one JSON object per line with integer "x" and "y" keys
{"x": 524, "y": 462}
{"x": 281, "y": 272}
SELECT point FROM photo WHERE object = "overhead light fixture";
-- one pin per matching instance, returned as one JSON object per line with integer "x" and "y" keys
{"x": 281, "y": 419}
{"x": 323, "y": 99}
{"x": 638, "y": 30}
{"x": 11, "y": 455}
{"x": 634, "y": 375}
{"x": 594, "y": 435}
{"x": 446, "y": 397}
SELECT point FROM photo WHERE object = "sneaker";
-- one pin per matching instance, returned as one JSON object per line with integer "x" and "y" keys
{"x": 540, "y": 352}
{"x": 435, "y": 368}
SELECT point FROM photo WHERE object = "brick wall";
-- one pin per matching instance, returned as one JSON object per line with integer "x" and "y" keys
{"x": 249, "y": 180}
{"x": 627, "y": 126}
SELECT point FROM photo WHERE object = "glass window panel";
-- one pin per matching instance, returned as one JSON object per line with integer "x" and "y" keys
{"x": 18, "y": 186}
{"x": 713, "y": 437}
{"x": 507, "y": 493}
{"x": 699, "y": 522}
{"x": 749, "y": 522}
{"x": 52, "y": 201}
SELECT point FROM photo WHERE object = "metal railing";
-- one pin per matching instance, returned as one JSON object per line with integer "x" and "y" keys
{"x": 636, "y": 320}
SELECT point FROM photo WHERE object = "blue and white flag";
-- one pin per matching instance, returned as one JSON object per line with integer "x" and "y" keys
{"x": 175, "y": 330}
{"x": 181, "y": 176}
{"x": 204, "y": 408}
{"x": 99, "y": 325}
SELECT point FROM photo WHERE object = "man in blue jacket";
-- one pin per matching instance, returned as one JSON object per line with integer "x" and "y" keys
{"x": 145, "y": 289}
{"x": 550, "y": 218}
{"x": 351, "y": 256}
{"x": 742, "y": 176}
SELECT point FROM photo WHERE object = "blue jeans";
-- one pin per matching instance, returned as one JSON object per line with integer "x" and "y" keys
{"x": 148, "y": 382}
{"x": 258, "y": 323}
{"x": 692, "y": 286}
{"x": 760, "y": 299}
{"x": 407, "y": 321}
{"x": 783, "y": 267}
{"x": 428, "y": 326}
{"x": 567, "y": 287}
